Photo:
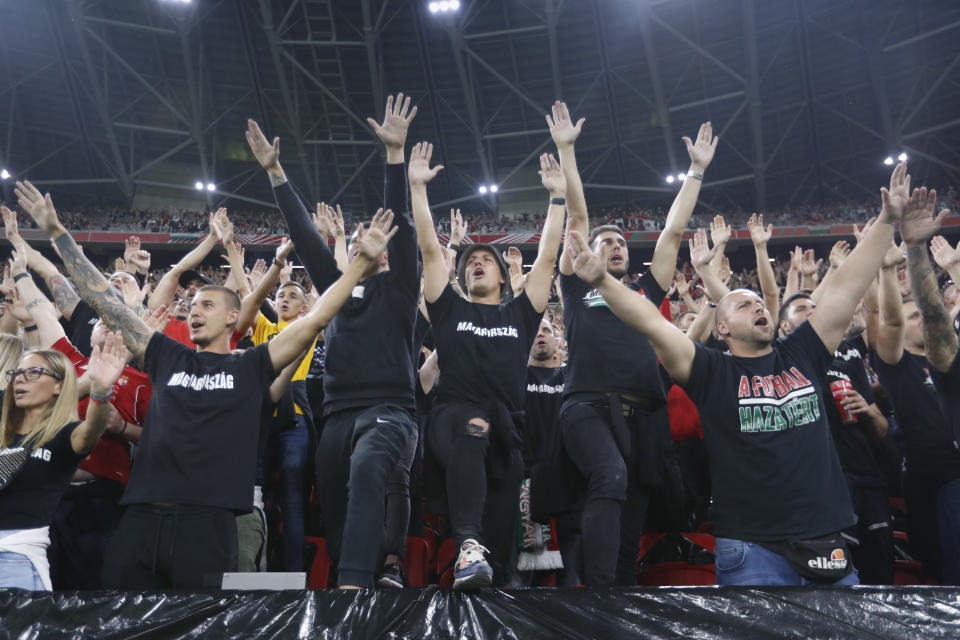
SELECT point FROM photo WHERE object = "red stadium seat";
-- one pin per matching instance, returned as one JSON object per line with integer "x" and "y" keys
{"x": 319, "y": 575}
{"x": 678, "y": 574}
{"x": 416, "y": 562}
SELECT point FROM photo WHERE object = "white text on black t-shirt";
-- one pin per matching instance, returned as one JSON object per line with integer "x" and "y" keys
{"x": 207, "y": 382}
{"x": 778, "y": 402}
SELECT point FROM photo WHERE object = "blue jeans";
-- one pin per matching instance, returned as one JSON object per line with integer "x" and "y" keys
{"x": 16, "y": 571}
{"x": 948, "y": 526}
{"x": 747, "y": 563}
{"x": 292, "y": 444}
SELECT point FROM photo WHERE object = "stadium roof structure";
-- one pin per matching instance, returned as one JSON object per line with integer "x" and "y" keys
{"x": 809, "y": 97}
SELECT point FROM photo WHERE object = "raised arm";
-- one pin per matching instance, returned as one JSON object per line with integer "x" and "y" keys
{"x": 541, "y": 275}
{"x": 769, "y": 289}
{"x": 664, "y": 261}
{"x": 329, "y": 222}
{"x": 720, "y": 233}
{"x": 419, "y": 172}
{"x": 792, "y": 285}
{"x": 167, "y": 287}
{"x": 564, "y": 134}
{"x": 701, "y": 257}
{"x": 90, "y": 283}
{"x": 859, "y": 269}
{"x": 298, "y": 335}
{"x": 683, "y": 290}
{"x": 917, "y": 227}
{"x": 699, "y": 329}
{"x": 946, "y": 256}
{"x": 44, "y": 315}
{"x": 312, "y": 250}
{"x": 674, "y": 349}
{"x": 234, "y": 255}
{"x": 889, "y": 331}
{"x": 103, "y": 369}
{"x": 809, "y": 267}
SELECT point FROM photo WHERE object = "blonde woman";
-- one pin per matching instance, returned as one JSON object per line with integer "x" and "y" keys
{"x": 40, "y": 417}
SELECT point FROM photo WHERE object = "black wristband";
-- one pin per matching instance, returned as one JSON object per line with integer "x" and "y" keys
{"x": 21, "y": 276}
{"x": 455, "y": 247}
{"x": 32, "y": 327}
{"x": 559, "y": 201}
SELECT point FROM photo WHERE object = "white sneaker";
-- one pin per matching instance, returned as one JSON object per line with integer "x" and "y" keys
{"x": 472, "y": 570}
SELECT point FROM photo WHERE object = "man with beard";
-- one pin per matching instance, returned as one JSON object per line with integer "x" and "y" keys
{"x": 780, "y": 500}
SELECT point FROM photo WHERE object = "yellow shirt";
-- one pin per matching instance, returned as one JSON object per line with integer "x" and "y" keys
{"x": 264, "y": 331}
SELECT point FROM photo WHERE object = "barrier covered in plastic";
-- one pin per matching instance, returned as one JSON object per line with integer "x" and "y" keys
{"x": 696, "y": 612}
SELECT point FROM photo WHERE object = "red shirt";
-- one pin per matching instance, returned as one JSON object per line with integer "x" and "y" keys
{"x": 131, "y": 397}
{"x": 684, "y": 417}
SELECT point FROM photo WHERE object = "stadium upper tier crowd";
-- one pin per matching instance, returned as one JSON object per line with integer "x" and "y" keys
{"x": 162, "y": 426}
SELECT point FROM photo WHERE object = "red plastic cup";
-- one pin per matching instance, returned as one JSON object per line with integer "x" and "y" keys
{"x": 839, "y": 389}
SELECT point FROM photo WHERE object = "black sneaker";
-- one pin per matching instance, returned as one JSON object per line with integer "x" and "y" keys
{"x": 391, "y": 577}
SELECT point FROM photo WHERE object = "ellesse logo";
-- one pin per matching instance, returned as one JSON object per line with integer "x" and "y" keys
{"x": 837, "y": 560}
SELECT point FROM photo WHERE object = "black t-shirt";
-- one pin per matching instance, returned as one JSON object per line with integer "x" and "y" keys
{"x": 199, "y": 442}
{"x": 605, "y": 354}
{"x": 854, "y": 440}
{"x": 773, "y": 466}
{"x": 33, "y": 495}
{"x": 928, "y": 443}
{"x": 948, "y": 391}
{"x": 483, "y": 348}
{"x": 542, "y": 409}
{"x": 79, "y": 328}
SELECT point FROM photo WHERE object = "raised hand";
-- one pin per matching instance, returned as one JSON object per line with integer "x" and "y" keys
{"x": 134, "y": 255}
{"x": 419, "y": 171}
{"x": 894, "y": 257}
{"x": 720, "y": 231}
{"x": 158, "y": 319}
{"x": 809, "y": 264}
{"x": 336, "y": 215}
{"x": 373, "y": 241}
{"x": 562, "y": 129}
{"x": 106, "y": 364}
{"x": 17, "y": 308}
{"x": 513, "y": 258}
{"x": 18, "y": 261}
{"x": 588, "y": 266}
{"x": 257, "y": 273}
{"x": 322, "y": 221}
{"x": 267, "y": 154}
{"x": 681, "y": 285}
{"x": 859, "y": 233}
{"x": 39, "y": 206}
{"x": 839, "y": 253}
{"x": 11, "y": 227}
{"x": 945, "y": 255}
{"x": 224, "y": 226}
{"x": 917, "y": 222}
{"x": 895, "y": 198}
{"x": 284, "y": 250}
{"x": 551, "y": 175}
{"x": 700, "y": 252}
{"x": 758, "y": 234}
{"x": 396, "y": 121}
{"x": 725, "y": 273}
{"x": 458, "y": 228}
{"x": 119, "y": 264}
{"x": 701, "y": 152}
{"x": 450, "y": 261}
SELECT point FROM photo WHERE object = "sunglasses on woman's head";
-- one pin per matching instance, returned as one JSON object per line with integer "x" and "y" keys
{"x": 32, "y": 374}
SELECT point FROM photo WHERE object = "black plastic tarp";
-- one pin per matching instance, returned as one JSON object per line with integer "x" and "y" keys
{"x": 696, "y": 612}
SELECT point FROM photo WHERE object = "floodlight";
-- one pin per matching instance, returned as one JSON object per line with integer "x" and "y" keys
{"x": 902, "y": 157}
{"x": 483, "y": 188}
{"x": 198, "y": 185}
{"x": 681, "y": 177}
{"x": 494, "y": 188}
{"x": 211, "y": 186}
{"x": 669, "y": 179}
{"x": 454, "y": 5}
{"x": 433, "y": 7}
{"x": 888, "y": 160}
{"x": 4, "y": 174}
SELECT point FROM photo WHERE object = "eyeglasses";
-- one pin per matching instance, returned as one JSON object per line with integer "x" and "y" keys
{"x": 32, "y": 374}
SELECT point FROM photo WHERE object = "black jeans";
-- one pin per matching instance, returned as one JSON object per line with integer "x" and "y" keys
{"x": 616, "y": 504}
{"x": 178, "y": 547}
{"x": 874, "y": 555}
{"x": 363, "y": 468}
{"x": 481, "y": 506}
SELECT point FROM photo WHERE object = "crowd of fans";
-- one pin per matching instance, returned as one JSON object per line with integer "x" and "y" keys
{"x": 162, "y": 426}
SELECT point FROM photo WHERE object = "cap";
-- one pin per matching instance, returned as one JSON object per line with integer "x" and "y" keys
{"x": 190, "y": 275}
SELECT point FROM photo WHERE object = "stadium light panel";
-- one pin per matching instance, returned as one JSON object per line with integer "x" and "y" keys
{"x": 198, "y": 185}
{"x": 494, "y": 188}
{"x": 670, "y": 179}
{"x": 902, "y": 157}
{"x": 211, "y": 186}
{"x": 888, "y": 160}
{"x": 4, "y": 174}
{"x": 444, "y": 6}
{"x": 681, "y": 177}
{"x": 483, "y": 188}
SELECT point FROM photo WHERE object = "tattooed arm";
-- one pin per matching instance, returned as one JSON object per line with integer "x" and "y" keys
{"x": 91, "y": 285}
{"x": 49, "y": 329}
{"x": 938, "y": 336}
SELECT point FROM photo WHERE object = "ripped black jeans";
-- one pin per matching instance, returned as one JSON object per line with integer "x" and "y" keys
{"x": 481, "y": 506}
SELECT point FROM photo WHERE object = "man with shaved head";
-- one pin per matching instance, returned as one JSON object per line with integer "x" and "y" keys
{"x": 780, "y": 499}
